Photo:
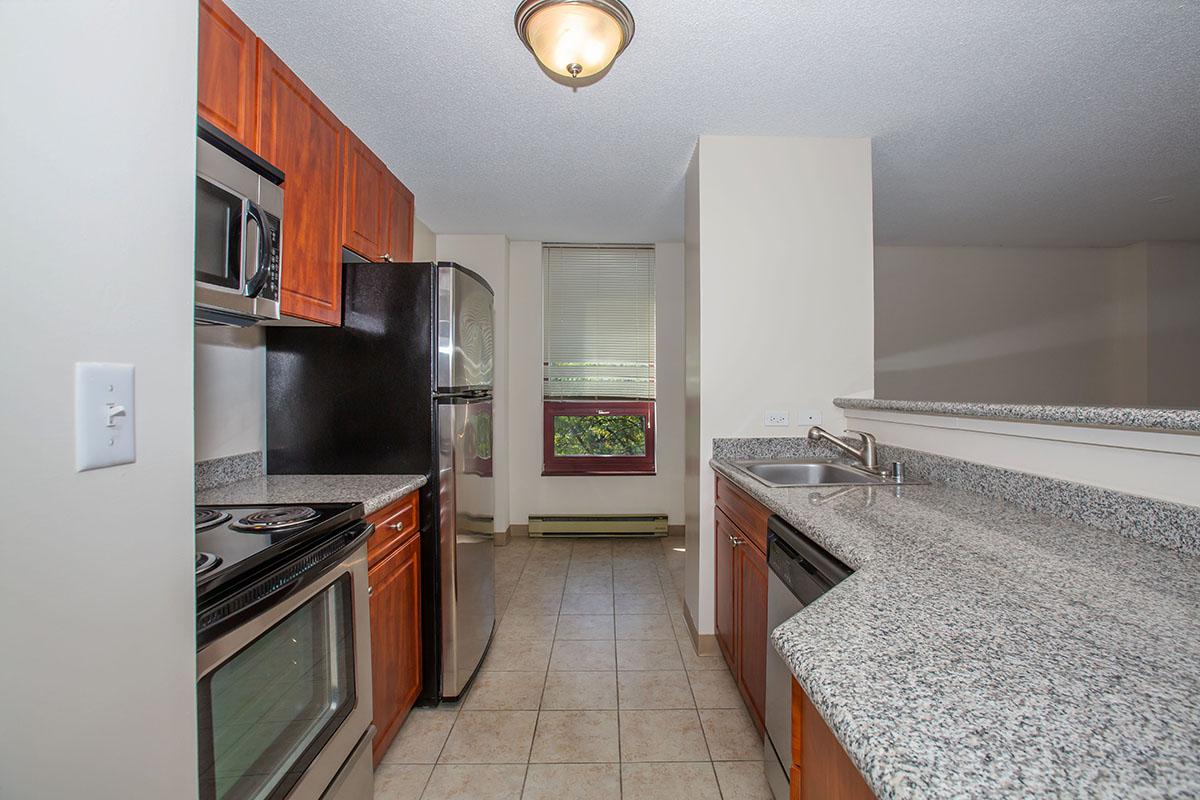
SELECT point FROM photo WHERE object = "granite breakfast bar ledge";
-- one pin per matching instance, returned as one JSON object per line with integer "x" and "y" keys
{"x": 984, "y": 650}
{"x": 1178, "y": 420}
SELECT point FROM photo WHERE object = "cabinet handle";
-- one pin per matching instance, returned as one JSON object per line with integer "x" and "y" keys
{"x": 370, "y": 590}
{"x": 386, "y": 258}
{"x": 735, "y": 541}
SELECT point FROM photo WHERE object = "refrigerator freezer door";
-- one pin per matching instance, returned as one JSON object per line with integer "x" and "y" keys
{"x": 465, "y": 331}
{"x": 468, "y": 566}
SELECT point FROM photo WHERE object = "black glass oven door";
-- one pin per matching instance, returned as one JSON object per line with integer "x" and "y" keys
{"x": 266, "y": 711}
{"x": 219, "y": 223}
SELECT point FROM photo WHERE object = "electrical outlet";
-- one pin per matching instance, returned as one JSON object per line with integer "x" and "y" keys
{"x": 777, "y": 419}
{"x": 810, "y": 417}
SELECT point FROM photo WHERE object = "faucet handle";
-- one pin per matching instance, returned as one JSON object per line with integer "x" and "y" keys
{"x": 866, "y": 437}
{"x": 868, "y": 457}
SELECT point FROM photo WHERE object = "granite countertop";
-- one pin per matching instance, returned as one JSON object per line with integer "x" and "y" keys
{"x": 982, "y": 650}
{"x": 1161, "y": 419}
{"x": 373, "y": 491}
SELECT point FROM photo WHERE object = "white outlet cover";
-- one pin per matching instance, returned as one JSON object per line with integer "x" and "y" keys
{"x": 777, "y": 419}
{"x": 104, "y": 420}
{"x": 810, "y": 417}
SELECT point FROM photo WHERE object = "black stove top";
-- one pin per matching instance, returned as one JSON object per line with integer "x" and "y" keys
{"x": 235, "y": 542}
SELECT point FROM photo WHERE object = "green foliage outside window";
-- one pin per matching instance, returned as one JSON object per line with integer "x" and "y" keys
{"x": 607, "y": 435}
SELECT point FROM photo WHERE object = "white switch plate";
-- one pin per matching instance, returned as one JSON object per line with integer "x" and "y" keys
{"x": 810, "y": 417}
{"x": 777, "y": 419}
{"x": 104, "y": 419}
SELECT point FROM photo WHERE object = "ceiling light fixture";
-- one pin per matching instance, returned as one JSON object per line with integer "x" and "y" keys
{"x": 575, "y": 39}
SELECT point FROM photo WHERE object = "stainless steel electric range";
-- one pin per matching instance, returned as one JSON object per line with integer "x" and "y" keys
{"x": 283, "y": 652}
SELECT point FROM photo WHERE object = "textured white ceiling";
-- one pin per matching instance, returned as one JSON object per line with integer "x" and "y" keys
{"x": 995, "y": 121}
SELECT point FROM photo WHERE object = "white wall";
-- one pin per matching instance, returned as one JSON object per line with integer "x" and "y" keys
{"x": 97, "y": 593}
{"x": 533, "y": 493}
{"x": 424, "y": 242}
{"x": 1076, "y": 326}
{"x": 782, "y": 264}
{"x": 231, "y": 377}
{"x": 487, "y": 254}
{"x": 1173, "y": 323}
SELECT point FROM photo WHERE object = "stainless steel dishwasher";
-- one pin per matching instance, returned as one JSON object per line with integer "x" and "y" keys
{"x": 800, "y": 572}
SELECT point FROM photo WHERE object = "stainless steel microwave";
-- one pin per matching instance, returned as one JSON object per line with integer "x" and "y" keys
{"x": 239, "y": 218}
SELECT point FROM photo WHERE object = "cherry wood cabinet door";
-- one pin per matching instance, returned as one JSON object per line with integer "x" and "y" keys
{"x": 399, "y": 240}
{"x": 751, "y": 610}
{"x": 726, "y": 623}
{"x": 227, "y": 58}
{"x": 822, "y": 769}
{"x": 364, "y": 200}
{"x": 298, "y": 134}
{"x": 395, "y": 640}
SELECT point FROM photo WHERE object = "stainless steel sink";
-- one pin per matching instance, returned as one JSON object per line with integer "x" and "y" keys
{"x": 806, "y": 473}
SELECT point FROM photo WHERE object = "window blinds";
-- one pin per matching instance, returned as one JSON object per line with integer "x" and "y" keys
{"x": 599, "y": 322}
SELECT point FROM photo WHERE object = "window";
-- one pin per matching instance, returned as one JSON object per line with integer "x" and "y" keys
{"x": 598, "y": 365}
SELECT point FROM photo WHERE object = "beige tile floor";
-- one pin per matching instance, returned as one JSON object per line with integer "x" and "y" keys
{"x": 592, "y": 689}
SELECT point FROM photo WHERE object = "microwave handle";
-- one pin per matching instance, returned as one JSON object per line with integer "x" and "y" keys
{"x": 254, "y": 214}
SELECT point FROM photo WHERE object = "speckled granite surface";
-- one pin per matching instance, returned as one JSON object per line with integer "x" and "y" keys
{"x": 1155, "y": 521}
{"x": 373, "y": 491}
{"x": 981, "y": 650}
{"x": 1168, "y": 419}
{"x": 228, "y": 469}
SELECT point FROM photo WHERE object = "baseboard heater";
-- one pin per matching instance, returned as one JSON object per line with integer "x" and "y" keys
{"x": 598, "y": 525}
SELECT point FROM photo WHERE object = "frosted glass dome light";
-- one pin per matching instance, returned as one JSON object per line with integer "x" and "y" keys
{"x": 574, "y": 38}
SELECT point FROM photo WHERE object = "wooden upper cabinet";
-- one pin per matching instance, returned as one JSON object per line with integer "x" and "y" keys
{"x": 298, "y": 134}
{"x": 399, "y": 240}
{"x": 377, "y": 219}
{"x": 227, "y": 58}
{"x": 364, "y": 200}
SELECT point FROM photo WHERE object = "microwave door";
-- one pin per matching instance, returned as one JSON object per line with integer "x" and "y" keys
{"x": 220, "y": 229}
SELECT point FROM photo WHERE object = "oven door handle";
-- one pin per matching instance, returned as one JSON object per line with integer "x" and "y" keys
{"x": 254, "y": 213}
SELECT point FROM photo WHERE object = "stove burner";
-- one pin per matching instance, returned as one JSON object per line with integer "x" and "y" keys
{"x": 209, "y": 518}
{"x": 275, "y": 519}
{"x": 205, "y": 562}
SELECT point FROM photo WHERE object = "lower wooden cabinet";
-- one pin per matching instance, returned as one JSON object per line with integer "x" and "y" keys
{"x": 752, "y": 629}
{"x": 394, "y": 577}
{"x": 726, "y": 581}
{"x": 741, "y": 592}
{"x": 821, "y": 770}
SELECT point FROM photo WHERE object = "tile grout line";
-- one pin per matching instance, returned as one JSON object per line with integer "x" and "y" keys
{"x": 617, "y": 681}
{"x": 664, "y": 585}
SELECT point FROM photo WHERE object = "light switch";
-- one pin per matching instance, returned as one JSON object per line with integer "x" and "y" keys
{"x": 104, "y": 422}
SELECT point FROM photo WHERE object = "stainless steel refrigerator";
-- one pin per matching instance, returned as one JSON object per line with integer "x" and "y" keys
{"x": 405, "y": 387}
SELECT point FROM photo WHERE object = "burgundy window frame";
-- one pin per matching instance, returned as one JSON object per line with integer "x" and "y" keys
{"x": 596, "y": 465}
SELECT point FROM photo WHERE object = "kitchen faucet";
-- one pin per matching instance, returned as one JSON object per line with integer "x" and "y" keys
{"x": 865, "y": 455}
